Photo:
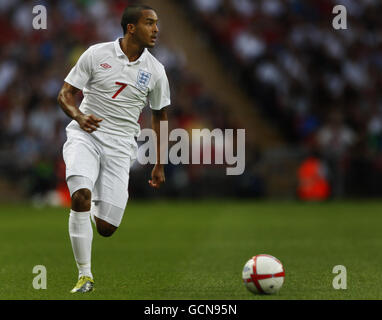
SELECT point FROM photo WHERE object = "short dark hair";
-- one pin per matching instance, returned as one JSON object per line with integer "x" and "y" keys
{"x": 132, "y": 14}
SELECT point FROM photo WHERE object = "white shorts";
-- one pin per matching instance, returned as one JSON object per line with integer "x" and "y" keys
{"x": 86, "y": 155}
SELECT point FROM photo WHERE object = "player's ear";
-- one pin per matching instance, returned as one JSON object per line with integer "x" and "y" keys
{"x": 131, "y": 28}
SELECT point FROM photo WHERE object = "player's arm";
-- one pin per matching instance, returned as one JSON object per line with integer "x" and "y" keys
{"x": 67, "y": 100}
{"x": 157, "y": 174}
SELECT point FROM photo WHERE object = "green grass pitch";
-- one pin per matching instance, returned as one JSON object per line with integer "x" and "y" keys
{"x": 196, "y": 250}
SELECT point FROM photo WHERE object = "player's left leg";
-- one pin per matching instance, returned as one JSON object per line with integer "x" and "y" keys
{"x": 107, "y": 217}
{"x": 111, "y": 194}
{"x": 104, "y": 228}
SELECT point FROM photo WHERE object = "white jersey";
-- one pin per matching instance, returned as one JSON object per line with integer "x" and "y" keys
{"x": 116, "y": 90}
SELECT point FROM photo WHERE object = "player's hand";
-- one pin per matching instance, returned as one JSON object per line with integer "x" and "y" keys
{"x": 157, "y": 176}
{"x": 88, "y": 122}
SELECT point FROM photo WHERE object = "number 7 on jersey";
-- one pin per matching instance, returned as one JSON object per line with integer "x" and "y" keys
{"x": 123, "y": 86}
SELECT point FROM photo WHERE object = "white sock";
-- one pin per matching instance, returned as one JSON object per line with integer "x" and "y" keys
{"x": 92, "y": 214}
{"x": 81, "y": 237}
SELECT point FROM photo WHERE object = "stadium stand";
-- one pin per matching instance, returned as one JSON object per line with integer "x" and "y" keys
{"x": 318, "y": 84}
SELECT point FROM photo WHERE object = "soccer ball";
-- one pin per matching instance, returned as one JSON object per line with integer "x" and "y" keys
{"x": 263, "y": 274}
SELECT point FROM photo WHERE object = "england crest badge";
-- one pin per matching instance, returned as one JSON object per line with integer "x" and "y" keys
{"x": 143, "y": 79}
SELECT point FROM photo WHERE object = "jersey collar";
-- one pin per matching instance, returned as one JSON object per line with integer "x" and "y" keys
{"x": 120, "y": 53}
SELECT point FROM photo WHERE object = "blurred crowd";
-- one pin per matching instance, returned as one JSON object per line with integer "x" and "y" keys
{"x": 321, "y": 85}
{"x": 318, "y": 84}
{"x": 33, "y": 66}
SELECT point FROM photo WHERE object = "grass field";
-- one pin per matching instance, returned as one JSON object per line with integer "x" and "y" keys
{"x": 196, "y": 250}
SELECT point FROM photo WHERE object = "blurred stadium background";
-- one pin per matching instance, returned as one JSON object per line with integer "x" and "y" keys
{"x": 306, "y": 94}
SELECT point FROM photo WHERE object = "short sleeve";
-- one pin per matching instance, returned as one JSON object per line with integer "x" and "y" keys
{"x": 81, "y": 72}
{"x": 159, "y": 96}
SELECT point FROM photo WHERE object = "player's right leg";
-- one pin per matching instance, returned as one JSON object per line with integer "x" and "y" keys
{"x": 81, "y": 231}
{"x": 82, "y": 166}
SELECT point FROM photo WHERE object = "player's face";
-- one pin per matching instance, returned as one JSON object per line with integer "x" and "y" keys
{"x": 147, "y": 29}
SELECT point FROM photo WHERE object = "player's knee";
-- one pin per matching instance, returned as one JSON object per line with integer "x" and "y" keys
{"x": 105, "y": 232}
{"x": 81, "y": 200}
{"x": 105, "y": 229}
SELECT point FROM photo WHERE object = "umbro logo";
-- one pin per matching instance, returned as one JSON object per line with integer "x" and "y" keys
{"x": 105, "y": 65}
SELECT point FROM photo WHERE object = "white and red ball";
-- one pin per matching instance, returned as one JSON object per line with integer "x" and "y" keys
{"x": 263, "y": 274}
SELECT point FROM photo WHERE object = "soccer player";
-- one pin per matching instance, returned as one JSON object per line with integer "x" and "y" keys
{"x": 117, "y": 80}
